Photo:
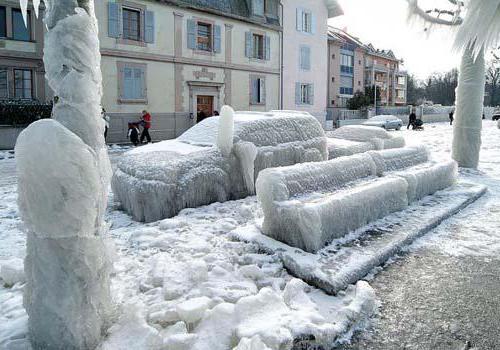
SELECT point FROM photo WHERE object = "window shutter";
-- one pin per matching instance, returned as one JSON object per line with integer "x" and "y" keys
{"x": 217, "y": 39}
{"x": 267, "y": 47}
{"x": 253, "y": 92}
{"x": 128, "y": 83}
{"x": 310, "y": 91}
{"x": 143, "y": 83}
{"x": 299, "y": 19}
{"x": 248, "y": 44}
{"x": 307, "y": 56}
{"x": 262, "y": 82}
{"x": 297, "y": 94}
{"x": 313, "y": 23}
{"x": 258, "y": 7}
{"x": 114, "y": 20}
{"x": 191, "y": 34}
{"x": 149, "y": 32}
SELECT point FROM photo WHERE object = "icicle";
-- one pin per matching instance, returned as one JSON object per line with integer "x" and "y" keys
{"x": 226, "y": 130}
{"x": 24, "y": 9}
{"x": 36, "y": 5}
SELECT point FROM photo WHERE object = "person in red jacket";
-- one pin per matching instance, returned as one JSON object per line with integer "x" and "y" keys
{"x": 146, "y": 123}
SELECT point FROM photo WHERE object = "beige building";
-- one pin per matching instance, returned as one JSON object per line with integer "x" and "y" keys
{"x": 21, "y": 52}
{"x": 353, "y": 66}
{"x": 182, "y": 60}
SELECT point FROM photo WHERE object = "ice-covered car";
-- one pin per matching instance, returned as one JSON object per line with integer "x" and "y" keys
{"x": 387, "y": 122}
{"x": 156, "y": 181}
{"x": 354, "y": 139}
{"x": 496, "y": 114}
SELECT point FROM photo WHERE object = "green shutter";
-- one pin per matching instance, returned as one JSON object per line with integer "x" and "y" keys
{"x": 191, "y": 34}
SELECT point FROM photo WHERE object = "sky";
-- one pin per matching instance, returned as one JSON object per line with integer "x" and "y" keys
{"x": 383, "y": 23}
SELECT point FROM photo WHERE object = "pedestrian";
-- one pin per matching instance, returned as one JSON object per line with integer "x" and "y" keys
{"x": 201, "y": 116}
{"x": 133, "y": 133}
{"x": 54, "y": 102}
{"x": 146, "y": 124}
{"x": 216, "y": 113}
{"x": 411, "y": 119}
{"x": 451, "y": 116}
{"x": 106, "y": 122}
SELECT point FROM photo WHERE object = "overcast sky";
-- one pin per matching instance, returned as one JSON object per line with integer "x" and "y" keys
{"x": 383, "y": 23}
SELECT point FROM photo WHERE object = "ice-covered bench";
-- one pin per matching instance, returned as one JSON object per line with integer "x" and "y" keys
{"x": 353, "y": 139}
{"x": 157, "y": 181}
{"x": 308, "y": 205}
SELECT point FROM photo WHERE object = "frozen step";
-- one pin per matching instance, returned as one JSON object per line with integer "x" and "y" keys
{"x": 347, "y": 260}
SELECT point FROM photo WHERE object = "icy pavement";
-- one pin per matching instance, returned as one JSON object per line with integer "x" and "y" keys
{"x": 182, "y": 283}
{"x": 443, "y": 294}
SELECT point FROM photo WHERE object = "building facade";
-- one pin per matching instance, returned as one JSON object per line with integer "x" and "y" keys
{"x": 21, "y": 54}
{"x": 183, "y": 59}
{"x": 353, "y": 66}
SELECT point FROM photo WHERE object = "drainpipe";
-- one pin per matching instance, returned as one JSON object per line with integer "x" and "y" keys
{"x": 281, "y": 94}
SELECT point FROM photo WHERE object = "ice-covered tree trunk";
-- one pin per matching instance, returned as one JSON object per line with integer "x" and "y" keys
{"x": 469, "y": 109}
{"x": 64, "y": 174}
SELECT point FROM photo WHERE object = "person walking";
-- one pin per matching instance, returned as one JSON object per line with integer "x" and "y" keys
{"x": 451, "y": 117}
{"x": 106, "y": 123}
{"x": 146, "y": 124}
{"x": 411, "y": 119}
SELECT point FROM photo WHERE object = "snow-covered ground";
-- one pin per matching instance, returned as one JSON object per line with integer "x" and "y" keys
{"x": 182, "y": 283}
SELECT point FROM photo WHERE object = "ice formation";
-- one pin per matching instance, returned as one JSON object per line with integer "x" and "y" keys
{"x": 226, "y": 129}
{"x": 353, "y": 139}
{"x": 308, "y": 205}
{"x": 157, "y": 181}
{"x": 64, "y": 174}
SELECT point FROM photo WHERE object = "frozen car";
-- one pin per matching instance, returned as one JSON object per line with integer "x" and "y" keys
{"x": 385, "y": 121}
{"x": 496, "y": 114}
{"x": 353, "y": 139}
{"x": 157, "y": 181}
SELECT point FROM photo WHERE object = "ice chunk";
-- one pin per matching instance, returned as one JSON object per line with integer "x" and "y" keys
{"x": 340, "y": 148}
{"x": 215, "y": 331}
{"x": 12, "y": 271}
{"x": 378, "y": 137}
{"x": 158, "y": 182}
{"x": 254, "y": 343}
{"x": 226, "y": 130}
{"x": 192, "y": 310}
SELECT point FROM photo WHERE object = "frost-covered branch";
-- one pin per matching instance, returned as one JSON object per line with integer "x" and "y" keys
{"x": 416, "y": 10}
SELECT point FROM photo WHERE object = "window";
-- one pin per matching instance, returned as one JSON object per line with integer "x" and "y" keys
{"x": 401, "y": 80}
{"x": 3, "y": 22}
{"x": 204, "y": 38}
{"x": 131, "y": 24}
{"x": 4, "y": 90}
{"x": 304, "y": 94}
{"x": 401, "y": 94}
{"x": 271, "y": 8}
{"x": 306, "y": 22}
{"x": 258, "y": 46}
{"x": 23, "y": 84}
{"x": 132, "y": 82}
{"x": 346, "y": 91}
{"x": 257, "y": 90}
{"x": 305, "y": 58}
{"x": 19, "y": 29}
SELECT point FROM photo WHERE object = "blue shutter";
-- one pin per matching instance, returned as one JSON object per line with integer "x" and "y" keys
{"x": 258, "y": 7}
{"x": 313, "y": 23}
{"x": 307, "y": 58}
{"x": 299, "y": 19}
{"x": 149, "y": 32}
{"x": 128, "y": 83}
{"x": 114, "y": 20}
{"x": 297, "y": 94}
{"x": 310, "y": 91}
{"x": 217, "y": 39}
{"x": 191, "y": 34}
{"x": 267, "y": 47}
{"x": 262, "y": 83}
{"x": 248, "y": 44}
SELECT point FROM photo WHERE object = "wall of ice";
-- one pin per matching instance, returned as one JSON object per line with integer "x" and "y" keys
{"x": 161, "y": 179}
{"x": 308, "y": 205}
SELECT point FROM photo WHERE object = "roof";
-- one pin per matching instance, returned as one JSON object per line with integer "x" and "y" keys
{"x": 339, "y": 35}
{"x": 238, "y": 9}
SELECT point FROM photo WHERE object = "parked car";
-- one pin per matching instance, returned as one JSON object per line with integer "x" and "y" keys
{"x": 496, "y": 114}
{"x": 385, "y": 121}
{"x": 158, "y": 180}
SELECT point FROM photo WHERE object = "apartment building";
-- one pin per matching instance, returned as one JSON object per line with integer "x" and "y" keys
{"x": 305, "y": 27}
{"x": 21, "y": 54}
{"x": 353, "y": 66}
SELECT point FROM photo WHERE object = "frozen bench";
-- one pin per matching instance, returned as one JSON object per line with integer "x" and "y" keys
{"x": 308, "y": 205}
